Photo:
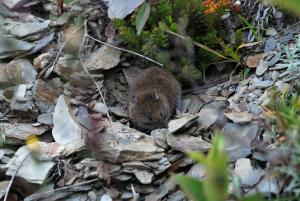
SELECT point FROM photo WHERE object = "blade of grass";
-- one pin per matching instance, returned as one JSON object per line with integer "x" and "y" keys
{"x": 192, "y": 187}
{"x": 200, "y": 45}
{"x": 246, "y": 22}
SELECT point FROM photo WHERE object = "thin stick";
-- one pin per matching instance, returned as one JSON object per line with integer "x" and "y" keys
{"x": 124, "y": 50}
{"x": 231, "y": 74}
{"x": 201, "y": 46}
{"x": 87, "y": 72}
{"x": 64, "y": 43}
{"x": 13, "y": 177}
{"x": 60, "y": 49}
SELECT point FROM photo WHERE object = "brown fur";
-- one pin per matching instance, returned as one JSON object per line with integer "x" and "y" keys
{"x": 153, "y": 96}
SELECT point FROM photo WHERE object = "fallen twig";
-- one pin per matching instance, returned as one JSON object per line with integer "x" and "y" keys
{"x": 86, "y": 70}
{"x": 124, "y": 50}
{"x": 13, "y": 177}
{"x": 60, "y": 50}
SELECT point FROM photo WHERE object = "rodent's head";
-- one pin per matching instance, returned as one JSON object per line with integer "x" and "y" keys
{"x": 149, "y": 110}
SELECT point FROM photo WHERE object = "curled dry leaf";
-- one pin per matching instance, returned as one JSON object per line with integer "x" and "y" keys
{"x": 239, "y": 117}
{"x": 253, "y": 61}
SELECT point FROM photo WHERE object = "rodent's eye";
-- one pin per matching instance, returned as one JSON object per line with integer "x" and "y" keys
{"x": 133, "y": 99}
{"x": 161, "y": 114}
{"x": 150, "y": 118}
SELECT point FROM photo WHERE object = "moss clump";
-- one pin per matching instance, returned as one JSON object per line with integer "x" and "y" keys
{"x": 181, "y": 16}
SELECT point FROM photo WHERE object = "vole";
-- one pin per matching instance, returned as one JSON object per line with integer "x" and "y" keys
{"x": 153, "y": 96}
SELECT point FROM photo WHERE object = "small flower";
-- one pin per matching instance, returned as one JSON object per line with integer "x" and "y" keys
{"x": 32, "y": 142}
{"x": 213, "y": 5}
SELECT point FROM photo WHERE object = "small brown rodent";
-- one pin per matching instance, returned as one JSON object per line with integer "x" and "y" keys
{"x": 153, "y": 96}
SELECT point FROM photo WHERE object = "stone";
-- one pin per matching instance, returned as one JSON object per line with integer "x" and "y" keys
{"x": 177, "y": 196}
{"x": 104, "y": 58}
{"x": 67, "y": 131}
{"x": 262, "y": 67}
{"x": 271, "y": 31}
{"x": 258, "y": 84}
{"x": 28, "y": 168}
{"x": 22, "y": 131}
{"x": 286, "y": 38}
{"x": 270, "y": 184}
{"x": 46, "y": 119}
{"x": 22, "y": 99}
{"x": 239, "y": 117}
{"x": 283, "y": 87}
{"x": 254, "y": 109}
{"x": 67, "y": 65}
{"x": 270, "y": 44}
{"x": 119, "y": 143}
{"x": 275, "y": 75}
{"x": 185, "y": 143}
{"x": 145, "y": 177}
{"x": 118, "y": 111}
{"x": 207, "y": 117}
{"x": 42, "y": 60}
{"x": 184, "y": 121}
{"x": 275, "y": 58}
{"x": 20, "y": 71}
{"x": 246, "y": 173}
{"x": 159, "y": 136}
{"x": 134, "y": 165}
{"x": 197, "y": 171}
{"x": 11, "y": 47}
{"x": 100, "y": 107}
{"x": 239, "y": 139}
{"x": 46, "y": 95}
{"x": 21, "y": 30}
{"x": 105, "y": 197}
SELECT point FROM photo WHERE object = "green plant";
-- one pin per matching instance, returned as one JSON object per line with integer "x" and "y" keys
{"x": 215, "y": 186}
{"x": 292, "y": 5}
{"x": 142, "y": 17}
{"x": 146, "y": 33}
{"x": 285, "y": 109}
{"x": 246, "y": 73}
{"x": 292, "y": 56}
{"x": 230, "y": 52}
{"x": 248, "y": 25}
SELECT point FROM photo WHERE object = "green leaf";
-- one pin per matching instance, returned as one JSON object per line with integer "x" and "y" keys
{"x": 68, "y": 1}
{"x": 292, "y": 5}
{"x": 197, "y": 156}
{"x": 247, "y": 23}
{"x": 142, "y": 17}
{"x": 192, "y": 187}
{"x": 216, "y": 183}
{"x": 217, "y": 150}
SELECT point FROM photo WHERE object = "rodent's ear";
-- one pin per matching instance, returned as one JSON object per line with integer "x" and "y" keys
{"x": 156, "y": 97}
